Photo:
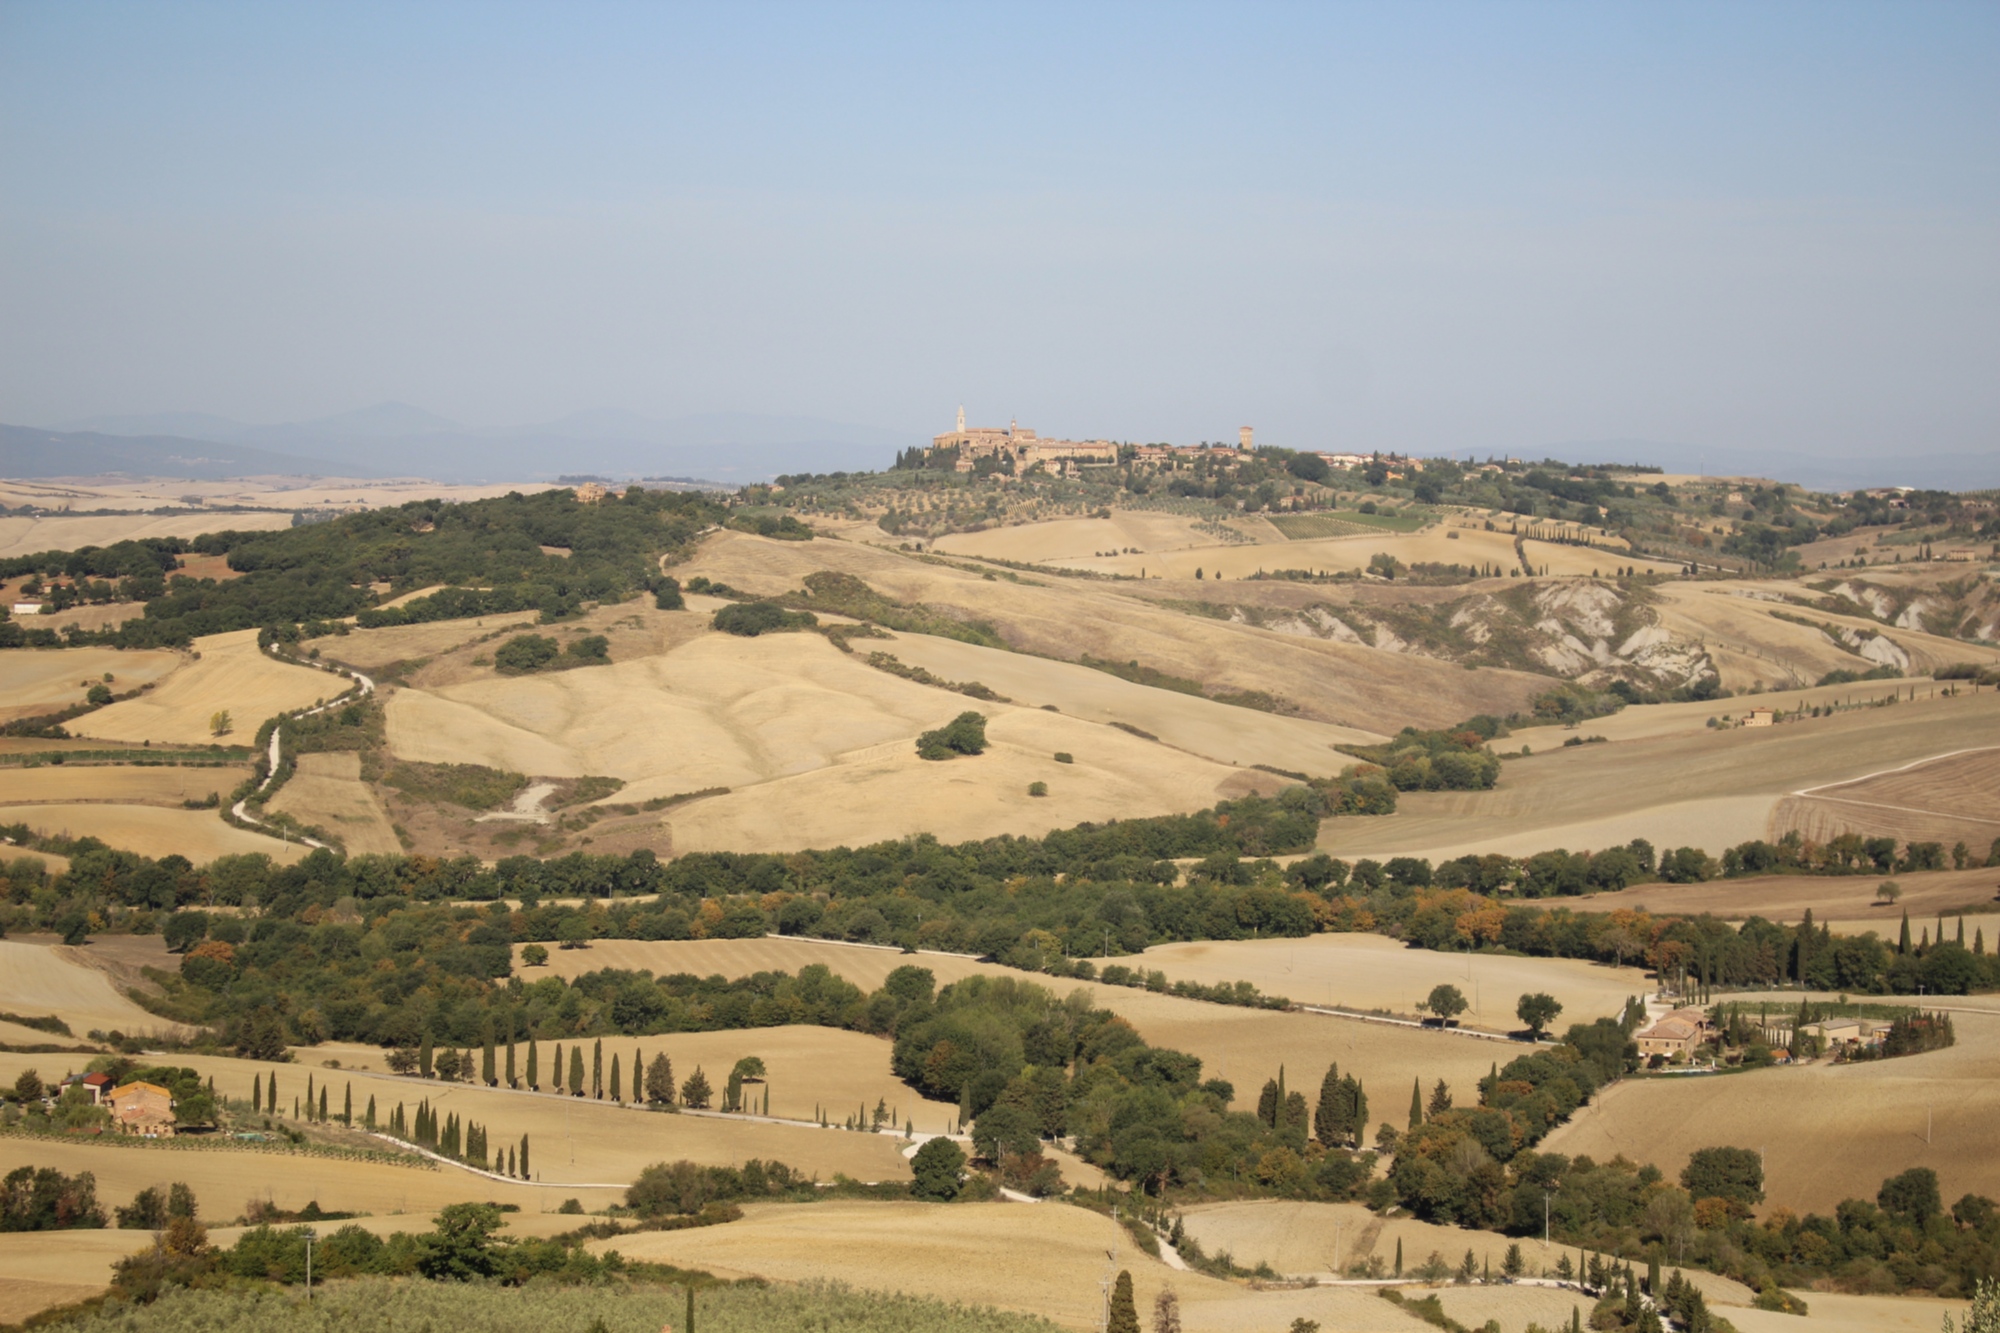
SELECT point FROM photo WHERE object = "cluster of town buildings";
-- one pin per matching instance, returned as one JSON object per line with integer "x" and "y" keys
{"x": 1026, "y": 450}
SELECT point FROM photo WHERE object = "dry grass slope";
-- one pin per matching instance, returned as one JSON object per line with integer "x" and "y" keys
{"x": 232, "y": 674}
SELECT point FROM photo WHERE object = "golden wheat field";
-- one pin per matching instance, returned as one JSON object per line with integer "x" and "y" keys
{"x": 1244, "y": 1046}
{"x": 38, "y": 979}
{"x": 1849, "y": 899}
{"x": 1345, "y": 684}
{"x": 1047, "y": 1259}
{"x": 119, "y": 783}
{"x": 1709, "y": 789}
{"x": 575, "y": 1143}
{"x": 151, "y": 830}
{"x": 231, "y": 674}
{"x": 817, "y": 747}
{"x": 372, "y": 649}
{"x": 1827, "y": 1132}
{"x": 46, "y": 680}
{"x": 1948, "y": 799}
{"x": 1375, "y": 972}
{"x": 327, "y": 790}
{"x": 62, "y": 532}
{"x": 1217, "y": 731}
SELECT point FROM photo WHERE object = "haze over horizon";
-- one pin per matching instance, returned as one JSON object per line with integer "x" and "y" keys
{"x": 1714, "y": 231}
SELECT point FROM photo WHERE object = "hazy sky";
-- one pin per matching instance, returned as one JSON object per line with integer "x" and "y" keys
{"x": 1425, "y": 225}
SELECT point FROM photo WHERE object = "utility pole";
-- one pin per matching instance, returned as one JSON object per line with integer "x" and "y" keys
{"x": 310, "y": 1236}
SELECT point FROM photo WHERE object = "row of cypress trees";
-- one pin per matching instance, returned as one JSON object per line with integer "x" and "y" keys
{"x": 315, "y": 1108}
{"x": 464, "y": 1141}
{"x": 1340, "y": 1119}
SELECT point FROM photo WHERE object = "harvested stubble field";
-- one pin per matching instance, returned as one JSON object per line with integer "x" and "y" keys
{"x": 39, "y": 979}
{"x": 1647, "y": 721}
{"x": 1045, "y": 1259}
{"x": 1218, "y": 731}
{"x": 115, "y": 784}
{"x": 1709, "y": 790}
{"x": 46, "y": 680}
{"x": 1374, "y": 972}
{"x": 372, "y": 649}
{"x": 60, "y": 532}
{"x": 327, "y": 790}
{"x": 1245, "y": 1046}
{"x": 40, "y": 1269}
{"x": 1846, "y": 899}
{"x": 1948, "y": 799}
{"x": 817, "y": 746}
{"x": 151, "y": 830}
{"x": 232, "y": 674}
{"x": 1298, "y": 1239}
{"x": 1065, "y": 539}
{"x": 1069, "y": 618}
{"x": 580, "y": 1141}
{"x": 1828, "y": 1132}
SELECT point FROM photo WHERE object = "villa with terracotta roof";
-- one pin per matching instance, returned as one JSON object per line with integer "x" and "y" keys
{"x": 145, "y": 1109}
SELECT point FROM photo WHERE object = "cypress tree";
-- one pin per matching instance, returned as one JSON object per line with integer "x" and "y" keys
{"x": 322, "y": 1103}
{"x": 510, "y": 1160}
{"x": 510, "y": 1056}
{"x": 1124, "y": 1312}
{"x": 309, "y": 1096}
{"x": 617, "y": 1093}
{"x": 597, "y": 1069}
{"x": 1903, "y": 938}
{"x": 271, "y": 1094}
{"x": 638, "y": 1067}
{"x": 556, "y": 1069}
{"x": 534, "y": 1074}
{"x": 424, "y": 1056}
{"x": 690, "y": 1311}
{"x": 257, "y": 1091}
{"x": 486, "y": 1071}
{"x": 1961, "y": 932}
{"x": 295, "y": 1108}
{"x": 1330, "y": 1125}
{"x": 347, "y": 1105}
{"x": 1416, "y": 1103}
{"x": 1399, "y": 1256}
{"x": 368, "y": 1116}
{"x": 575, "y": 1070}
{"x": 1653, "y": 1277}
{"x": 1270, "y": 1102}
{"x": 524, "y": 1159}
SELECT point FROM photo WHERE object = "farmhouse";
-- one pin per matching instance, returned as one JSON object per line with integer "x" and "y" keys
{"x": 1676, "y": 1033}
{"x": 145, "y": 1109}
{"x": 1757, "y": 717}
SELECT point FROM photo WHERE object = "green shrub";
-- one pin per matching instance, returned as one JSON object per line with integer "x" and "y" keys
{"x": 1038, "y": 789}
{"x": 964, "y": 734}
{"x": 524, "y": 653}
{"x": 753, "y": 618}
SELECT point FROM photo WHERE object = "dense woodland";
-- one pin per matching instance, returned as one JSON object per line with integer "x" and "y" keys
{"x": 319, "y": 572}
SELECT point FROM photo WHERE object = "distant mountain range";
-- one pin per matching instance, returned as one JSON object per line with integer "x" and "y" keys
{"x": 395, "y": 439}
{"x": 27, "y": 452}
{"x": 1944, "y": 472}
